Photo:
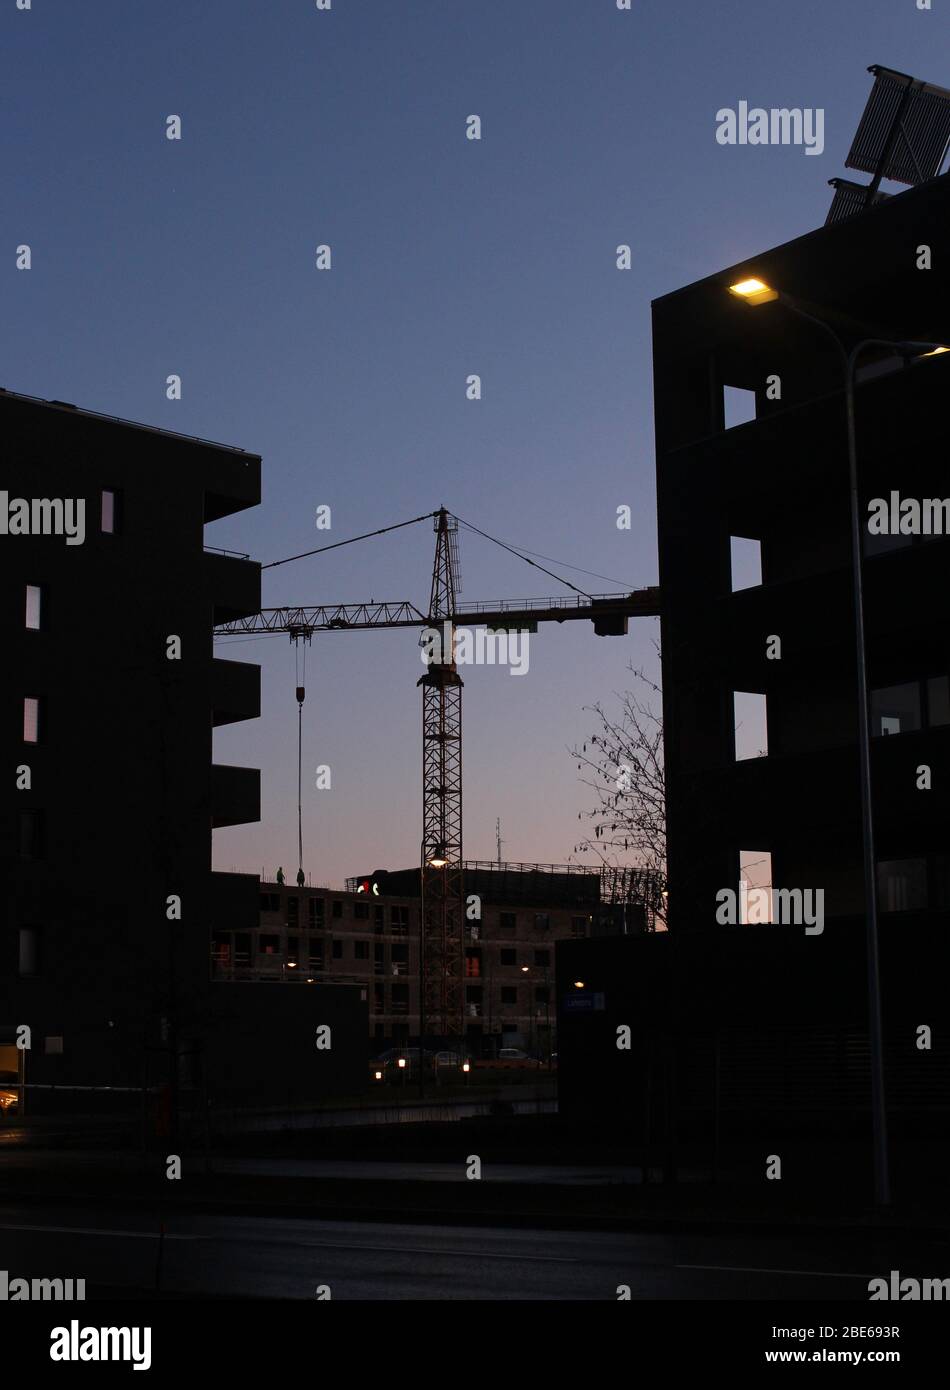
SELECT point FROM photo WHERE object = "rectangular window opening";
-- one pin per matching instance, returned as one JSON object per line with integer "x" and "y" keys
{"x": 746, "y": 562}
{"x": 750, "y": 710}
{"x": 895, "y": 709}
{"x": 110, "y": 512}
{"x": 755, "y": 887}
{"x": 34, "y": 607}
{"x": 31, "y": 719}
{"x": 738, "y": 406}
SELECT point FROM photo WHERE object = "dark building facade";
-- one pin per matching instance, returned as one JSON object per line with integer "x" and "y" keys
{"x": 110, "y": 698}
{"x": 745, "y": 1007}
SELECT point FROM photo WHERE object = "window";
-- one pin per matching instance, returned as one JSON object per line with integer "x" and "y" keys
{"x": 755, "y": 887}
{"x": 221, "y": 948}
{"x": 902, "y": 884}
{"x": 876, "y": 544}
{"x": 399, "y": 953}
{"x": 270, "y": 902}
{"x": 32, "y": 834}
{"x": 399, "y": 999}
{"x": 293, "y": 949}
{"x": 242, "y": 948}
{"x": 361, "y": 950}
{"x": 901, "y": 709}
{"x": 542, "y": 920}
{"x": 746, "y": 562}
{"x": 399, "y": 919}
{"x": 317, "y": 912}
{"x": 268, "y": 945}
{"x": 473, "y": 962}
{"x": 751, "y": 724}
{"x": 509, "y": 994}
{"x": 337, "y": 909}
{"x": 110, "y": 512}
{"x": 738, "y": 406}
{"x": 938, "y": 700}
{"x": 378, "y": 918}
{"x": 31, "y": 719}
{"x": 316, "y": 955}
{"x": 508, "y": 921}
{"x": 34, "y": 607}
{"x": 895, "y": 709}
{"x": 29, "y": 956}
{"x": 542, "y": 994}
{"x": 293, "y": 911}
{"x": 578, "y": 926}
{"x": 337, "y": 951}
{"x": 379, "y": 999}
{"x": 508, "y": 955}
{"x": 361, "y": 912}
{"x": 473, "y": 994}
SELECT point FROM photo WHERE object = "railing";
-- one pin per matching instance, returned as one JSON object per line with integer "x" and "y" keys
{"x": 234, "y": 554}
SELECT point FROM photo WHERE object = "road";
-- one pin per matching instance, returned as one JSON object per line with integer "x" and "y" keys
{"x": 265, "y": 1257}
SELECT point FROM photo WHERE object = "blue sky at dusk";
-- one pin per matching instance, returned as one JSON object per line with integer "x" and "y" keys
{"x": 450, "y": 257}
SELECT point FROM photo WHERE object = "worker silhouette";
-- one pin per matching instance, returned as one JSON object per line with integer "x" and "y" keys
{"x": 300, "y": 878}
{"x": 280, "y": 875}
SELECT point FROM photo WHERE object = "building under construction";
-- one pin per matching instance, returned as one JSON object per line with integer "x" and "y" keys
{"x": 368, "y": 935}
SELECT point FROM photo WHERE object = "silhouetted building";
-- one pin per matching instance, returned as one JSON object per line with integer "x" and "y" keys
{"x": 110, "y": 798}
{"x": 760, "y": 693}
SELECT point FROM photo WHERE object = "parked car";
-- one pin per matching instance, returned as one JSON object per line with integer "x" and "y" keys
{"x": 451, "y": 1060}
{"x": 388, "y": 1063}
{"x": 512, "y": 1058}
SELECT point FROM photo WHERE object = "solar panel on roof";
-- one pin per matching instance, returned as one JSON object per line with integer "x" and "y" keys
{"x": 849, "y": 198}
{"x": 904, "y": 131}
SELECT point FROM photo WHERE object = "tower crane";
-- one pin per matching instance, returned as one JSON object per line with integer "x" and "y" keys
{"x": 442, "y": 915}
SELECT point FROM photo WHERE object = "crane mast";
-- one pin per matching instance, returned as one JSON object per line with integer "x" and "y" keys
{"x": 442, "y": 905}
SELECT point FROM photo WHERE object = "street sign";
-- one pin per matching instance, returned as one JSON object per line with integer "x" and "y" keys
{"x": 583, "y": 1003}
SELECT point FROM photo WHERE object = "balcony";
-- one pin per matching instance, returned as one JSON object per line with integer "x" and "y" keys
{"x": 233, "y": 585}
{"x": 235, "y": 691}
{"x": 235, "y": 795}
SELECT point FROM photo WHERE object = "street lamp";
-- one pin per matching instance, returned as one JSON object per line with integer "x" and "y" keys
{"x": 754, "y": 291}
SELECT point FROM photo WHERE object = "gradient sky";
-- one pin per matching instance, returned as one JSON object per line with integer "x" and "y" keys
{"x": 450, "y": 257}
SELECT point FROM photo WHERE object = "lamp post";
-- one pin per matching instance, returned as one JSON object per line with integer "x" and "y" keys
{"x": 755, "y": 292}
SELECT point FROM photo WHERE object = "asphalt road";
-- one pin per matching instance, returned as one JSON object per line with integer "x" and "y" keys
{"x": 266, "y": 1257}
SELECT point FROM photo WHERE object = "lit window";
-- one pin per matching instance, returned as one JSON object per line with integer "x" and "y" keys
{"x": 34, "y": 607}
{"x": 31, "y": 719}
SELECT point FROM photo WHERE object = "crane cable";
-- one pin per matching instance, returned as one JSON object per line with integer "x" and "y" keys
{"x": 300, "y": 653}
{"x": 336, "y": 544}
{"x": 534, "y": 563}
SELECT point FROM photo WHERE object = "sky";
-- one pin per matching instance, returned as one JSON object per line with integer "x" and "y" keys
{"x": 450, "y": 257}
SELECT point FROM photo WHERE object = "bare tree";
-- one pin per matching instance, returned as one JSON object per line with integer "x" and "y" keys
{"x": 623, "y": 764}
